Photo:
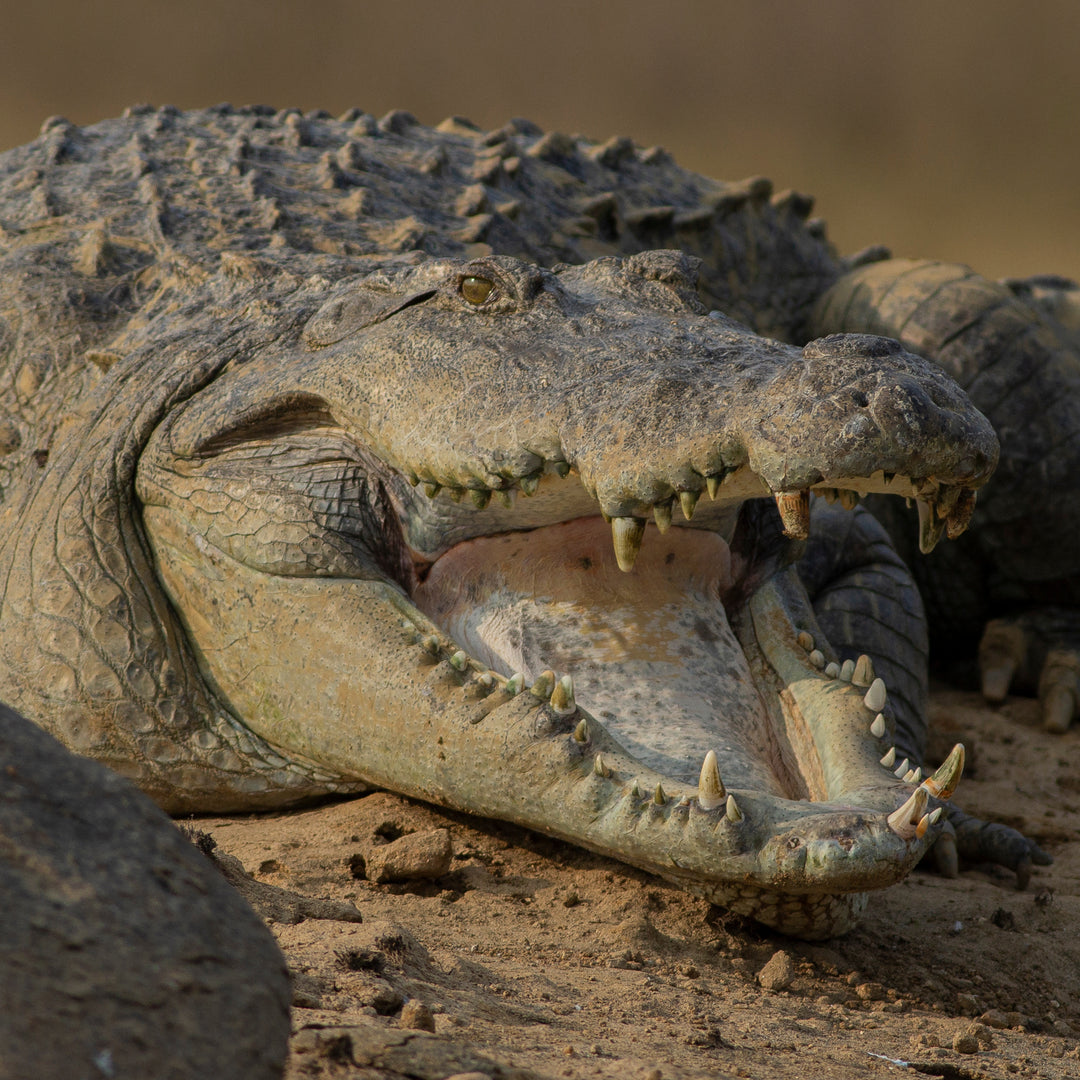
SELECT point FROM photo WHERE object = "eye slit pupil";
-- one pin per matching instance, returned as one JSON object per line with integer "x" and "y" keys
{"x": 476, "y": 289}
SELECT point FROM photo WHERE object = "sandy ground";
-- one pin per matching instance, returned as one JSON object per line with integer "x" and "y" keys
{"x": 533, "y": 958}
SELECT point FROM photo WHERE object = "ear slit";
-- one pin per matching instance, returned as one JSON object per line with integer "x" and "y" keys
{"x": 356, "y": 310}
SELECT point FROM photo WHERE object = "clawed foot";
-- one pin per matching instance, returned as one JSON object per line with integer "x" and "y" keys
{"x": 1038, "y": 651}
{"x": 977, "y": 841}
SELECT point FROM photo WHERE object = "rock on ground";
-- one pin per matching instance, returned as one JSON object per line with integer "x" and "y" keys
{"x": 124, "y": 952}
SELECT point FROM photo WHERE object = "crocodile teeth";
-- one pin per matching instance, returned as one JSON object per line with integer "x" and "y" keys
{"x": 817, "y": 658}
{"x": 902, "y": 769}
{"x": 847, "y": 670}
{"x": 943, "y": 783}
{"x": 794, "y": 507}
{"x": 515, "y": 684}
{"x": 732, "y": 810}
{"x": 711, "y": 792}
{"x": 832, "y": 670}
{"x": 876, "y": 696}
{"x": 905, "y": 820}
{"x": 562, "y": 697}
{"x": 599, "y": 767}
{"x": 930, "y": 526}
{"x": 805, "y": 640}
{"x": 529, "y": 485}
{"x": 459, "y": 660}
{"x": 480, "y": 498}
{"x": 506, "y": 496}
{"x": 849, "y": 499}
{"x": 626, "y": 534}
{"x": 863, "y": 672}
{"x": 958, "y": 520}
{"x": 661, "y": 513}
{"x": 915, "y": 776}
{"x": 877, "y": 728}
{"x": 563, "y": 469}
{"x": 688, "y": 500}
{"x": 889, "y": 760}
{"x": 545, "y": 683}
{"x": 430, "y": 644}
{"x": 658, "y": 795}
{"x": 581, "y": 732}
{"x": 431, "y": 489}
{"x": 713, "y": 484}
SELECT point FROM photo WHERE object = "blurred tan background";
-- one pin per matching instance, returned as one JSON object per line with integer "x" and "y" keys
{"x": 945, "y": 128}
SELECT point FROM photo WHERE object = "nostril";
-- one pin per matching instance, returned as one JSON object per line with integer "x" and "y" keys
{"x": 859, "y": 399}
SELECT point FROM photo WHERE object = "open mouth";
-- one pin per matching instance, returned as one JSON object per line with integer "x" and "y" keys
{"x": 694, "y": 679}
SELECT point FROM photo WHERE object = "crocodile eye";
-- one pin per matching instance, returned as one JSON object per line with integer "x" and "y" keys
{"x": 476, "y": 289}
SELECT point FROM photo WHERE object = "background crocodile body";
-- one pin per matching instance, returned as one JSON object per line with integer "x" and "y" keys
{"x": 272, "y": 387}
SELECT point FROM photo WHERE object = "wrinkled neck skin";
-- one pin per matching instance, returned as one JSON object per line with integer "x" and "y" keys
{"x": 386, "y": 541}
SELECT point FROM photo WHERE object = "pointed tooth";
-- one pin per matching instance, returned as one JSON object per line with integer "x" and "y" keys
{"x": 943, "y": 783}
{"x": 924, "y": 824}
{"x": 507, "y": 496}
{"x": 877, "y": 728}
{"x": 947, "y": 498}
{"x": 907, "y": 776}
{"x": 562, "y": 697}
{"x": 515, "y": 684}
{"x": 431, "y": 489}
{"x": 486, "y": 680}
{"x": 545, "y": 683}
{"x": 688, "y": 500}
{"x": 960, "y": 517}
{"x": 658, "y": 795}
{"x": 456, "y": 494}
{"x": 888, "y": 477}
{"x": 626, "y": 534}
{"x": 935, "y": 814}
{"x": 480, "y": 497}
{"x": 563, "y": 469}
{"x": 916, "y": 775}
{"x": 711, "y": 791}
{"x": 830, "y": 495}
{"x": 413, "y": 478}
{"x": 849, "y": 499}
{"x": 901, "y": 769}
{"x": 930, "y": 527}
{"x": 732, "y": 811}
{"x": 713, "y": 484}
{"x": 581, "y": 732}
{"x": 863, "y": 674}
{"x": 528, "y": 485}
{"x": 460, "y": 660}
{"x": 635, "y": 790}
{"x": 876, "y": 696}
{"x": 805, "y": 640}
{"x": 903, "y": 820}
{"x": 832, "y": 670}
{"x": 847, "y": 670}
{"x": 661, "y": 513}
{"x": 889, "y": 760}
{"x": 794, "y": 507}
{"x": 599, "y": 767}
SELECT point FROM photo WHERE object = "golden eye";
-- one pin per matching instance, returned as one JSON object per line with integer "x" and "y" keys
{"x": 476, "y": 289}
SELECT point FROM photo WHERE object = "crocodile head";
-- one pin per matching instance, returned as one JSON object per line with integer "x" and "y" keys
{"x": 503, "y": 538}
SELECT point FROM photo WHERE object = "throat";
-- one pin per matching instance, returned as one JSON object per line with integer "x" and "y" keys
{"x": 651, "y": 651}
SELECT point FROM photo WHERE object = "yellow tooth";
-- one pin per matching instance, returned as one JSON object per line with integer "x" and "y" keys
{"x": 732, "y": 811}
{"x": 581, "y": 732}
{"x": 930, "y": 527}
{"x": 626, "y": 534}
{"x": 711, "y": 792}
{"x": 794, "y": 507}
{"x": 903, "y": 820}
{"x": 961, "y": 514}
{"x": 713, "y": 484}
{"x": 661, "y": 513}
{"x": 688, "y": 500}
{"x": 943, "y": 783}
{"x": 562, "y": 697}
{"x": 658, "y": 795}
{"x": 849, "y": 499}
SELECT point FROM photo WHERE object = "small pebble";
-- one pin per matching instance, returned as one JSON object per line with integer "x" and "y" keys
{"x": 420, "y": 855}
{"x": 416, "y": 1015}
{"x": 778, "y": 973}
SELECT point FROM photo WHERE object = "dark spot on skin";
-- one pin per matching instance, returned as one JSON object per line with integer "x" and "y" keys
{"x": 703, "y": 630}
{"x": 670, "y": 558}
{"x": 586, "y": 563}
{"x": 793, "y": 842}
{"x": 845, "y": 840}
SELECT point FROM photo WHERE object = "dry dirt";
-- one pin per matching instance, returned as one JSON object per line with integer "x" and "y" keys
{"x": 533, "y": 958}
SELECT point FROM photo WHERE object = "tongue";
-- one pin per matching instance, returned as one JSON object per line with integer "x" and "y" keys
{"x": 650, "y": 651}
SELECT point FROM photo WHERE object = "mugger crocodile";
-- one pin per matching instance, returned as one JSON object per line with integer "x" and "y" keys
{"x": 347, "y": 452}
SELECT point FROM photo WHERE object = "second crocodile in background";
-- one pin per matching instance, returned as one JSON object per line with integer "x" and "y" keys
{"x": 273, "y": 385}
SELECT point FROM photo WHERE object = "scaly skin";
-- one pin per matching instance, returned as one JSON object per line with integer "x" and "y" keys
{"x": 264, "y": 390}
{"x": 1015, "y": 350}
